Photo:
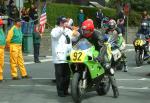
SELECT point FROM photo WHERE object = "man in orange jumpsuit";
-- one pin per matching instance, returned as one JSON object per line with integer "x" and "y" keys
{"x": 14, "y": 42}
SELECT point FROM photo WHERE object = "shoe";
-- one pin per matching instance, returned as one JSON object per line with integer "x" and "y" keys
{"x": 15, "y": 78}
{"x": 26, "y": 77}
{"x": 125, "y": 69}
{"x": 54, "y": 80}
{"x": 116, "y": 94}
{"x": 61, "y": 95}
{"x": 1, "y": 81}
{"x": 66, "y": 93}
{"x": 37, "y": 61}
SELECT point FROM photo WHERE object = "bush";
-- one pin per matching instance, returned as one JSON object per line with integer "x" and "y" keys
{"x": 134, "y": 18}
{"x": 54, "y": 10}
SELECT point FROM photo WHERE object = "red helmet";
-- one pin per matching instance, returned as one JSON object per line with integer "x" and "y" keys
{"x": 88, "y": 28}
{"x": 1, "y": 22}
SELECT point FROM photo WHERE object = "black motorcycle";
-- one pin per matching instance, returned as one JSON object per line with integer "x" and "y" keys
{"x": 141, "y": 47}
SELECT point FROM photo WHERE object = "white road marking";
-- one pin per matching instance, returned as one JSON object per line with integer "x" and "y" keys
{"x": 129, "y": 50}
{"x": 130, "y": 45}
{"x": 137, "y": 67}
{"x": 120, "y": 87}
{"x": 26, "y": 63}
{"x": 141, "y": 79}
{"x": 36, "y": 85}
{"x": 133, "y": 88}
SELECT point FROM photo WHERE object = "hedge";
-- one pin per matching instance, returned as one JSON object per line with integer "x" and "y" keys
{"x": 54, "y": 10}
{"x": 69, "y": 10}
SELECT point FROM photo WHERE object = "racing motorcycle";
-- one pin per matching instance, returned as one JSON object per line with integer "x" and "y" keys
{"x": 88, "y": 74}
{"x": 118, "y": 55}
{"x": 139, "y": 45}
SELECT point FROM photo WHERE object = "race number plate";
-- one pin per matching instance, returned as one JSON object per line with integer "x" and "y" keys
{"x": 77, "y": 56}
{"x": 138, "y": 42}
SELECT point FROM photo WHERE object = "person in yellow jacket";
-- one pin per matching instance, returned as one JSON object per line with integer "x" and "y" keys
{"x": 14, "y": 42}
{"x": 2, "y": 46}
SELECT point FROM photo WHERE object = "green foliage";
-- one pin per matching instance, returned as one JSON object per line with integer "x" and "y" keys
{"x": 136, "y": 5}
{"x": 110, "y": 12}
{"x": 134, "y": 18}
{"x": 55, "y": 10}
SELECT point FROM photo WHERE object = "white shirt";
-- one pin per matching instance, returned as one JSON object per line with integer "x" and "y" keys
{"x": 60, "y": 48}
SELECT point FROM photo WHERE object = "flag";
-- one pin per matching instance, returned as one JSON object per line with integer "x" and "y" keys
{"x": 43, "y": 19}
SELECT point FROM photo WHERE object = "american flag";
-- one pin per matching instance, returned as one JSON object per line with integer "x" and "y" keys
{"x": 43, "y": 19}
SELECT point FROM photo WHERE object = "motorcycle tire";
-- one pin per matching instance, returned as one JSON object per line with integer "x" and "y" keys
{"x": 75, "y": 92}
{"x": 139, "y": 59}
{"x": 148, "y": 62}
{"x": 102, "y": 88}
{"x": 120, "y": 66}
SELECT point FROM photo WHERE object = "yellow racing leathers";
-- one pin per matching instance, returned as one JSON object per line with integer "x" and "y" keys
{"x": 2, "y": 46}
{"x": 14, "y": 40}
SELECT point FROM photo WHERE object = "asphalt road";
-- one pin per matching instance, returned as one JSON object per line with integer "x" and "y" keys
{"x": 134, "y": 86}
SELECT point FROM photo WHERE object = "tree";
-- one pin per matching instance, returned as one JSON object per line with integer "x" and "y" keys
{"x": 137, "y": 5}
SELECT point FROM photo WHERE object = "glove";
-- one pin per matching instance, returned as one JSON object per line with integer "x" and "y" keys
{"x": 97, "y": 59}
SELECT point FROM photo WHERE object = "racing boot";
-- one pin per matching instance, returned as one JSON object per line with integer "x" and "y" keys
{"x": 124, "y": 69}
{"x": 114, "y": 86}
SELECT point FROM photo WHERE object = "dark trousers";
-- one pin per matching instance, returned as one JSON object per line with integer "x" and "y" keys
{"x": 36, "y": 51}
{"x": 62, "y": 74}
{"x": 98, "y": 23}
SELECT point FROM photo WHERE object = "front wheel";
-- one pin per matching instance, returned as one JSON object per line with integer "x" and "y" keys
{"x": 103, "y": 86}
{"x": 75, "y": 88}
{"x": 139, "y": 58}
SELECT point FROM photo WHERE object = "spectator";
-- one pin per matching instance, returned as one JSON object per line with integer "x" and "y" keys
{"x": 36, "y": 43}
{"x": 121, "y": 22}
{"x": 60, "y": 35}
{"x": 99, "y": 17}
{"x": 26, "y": 18}
{"x": 23, "y": 12}
{"x": 31, "y": 11}
{"x": 14, "y": 12}
{"x": 121, "y": 14}
{"x": 2, "y": 46}
{"x": 80, "y": 18}
{"x": 35, "y": 16}
{"x": 2, "y": 9}
{"x": 32, "y": 16}
{"x": 145, "y": 16}
{"x": 14, "y": 42}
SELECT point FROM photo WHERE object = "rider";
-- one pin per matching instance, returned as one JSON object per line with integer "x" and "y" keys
{"x": 116, "y": 37}
{"x": 88, "y": 31}
{"x": 146, "y": 32}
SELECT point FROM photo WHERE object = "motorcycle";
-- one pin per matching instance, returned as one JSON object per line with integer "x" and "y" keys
{"x": 88, "y": 74}
{"x": 118, "y": 55}
{"x": 139, "y": 45}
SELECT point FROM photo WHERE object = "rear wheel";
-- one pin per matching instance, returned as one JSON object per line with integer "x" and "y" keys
{"x": 103, "y": 86}
{"x": 139, "y": 58}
